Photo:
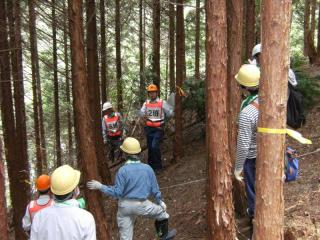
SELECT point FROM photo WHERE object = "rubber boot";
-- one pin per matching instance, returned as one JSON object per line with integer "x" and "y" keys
{"x": 162, "y": 230}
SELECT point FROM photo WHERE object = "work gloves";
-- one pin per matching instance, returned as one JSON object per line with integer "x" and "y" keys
{"x": 163, "y": 205}
{"x": 94, "y": 185}
{"x": 238, "y": 175}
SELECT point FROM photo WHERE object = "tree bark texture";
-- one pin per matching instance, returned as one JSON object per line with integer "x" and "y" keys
{"x": 84, "y": 127}
{"x": 56, "y": 86}
{"x": 250, "y": 27}
{"x": 309, "y": 47}
{"x": 180, "y": 75}
{"x": 221, "y": 223}
{"x": 156, "y": 43}
{"x": 141, "y": 55}
{"x": 118, "y": 56}
{"x": 3, "y": 205}
{"x": 40, "y": 145}
{"x": 19, "y": 188}
{"x": 93, "y": 88}
{"x": 235, "y": 46}
{"x": 67, "y": 79}
{"x": 269, "y": 212}
{"x": 197, "y": 43}
{"x": 172, "y": 16}
{"x": 318, "y": 35}
{"x": 103, "y": 68}
{"x": 17, "y": 76}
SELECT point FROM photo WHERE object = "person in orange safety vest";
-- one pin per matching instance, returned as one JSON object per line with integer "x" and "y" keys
{"x": 112, "y": 129}
{"x": 153, "y": 112}
{"x": 44, "y": 200}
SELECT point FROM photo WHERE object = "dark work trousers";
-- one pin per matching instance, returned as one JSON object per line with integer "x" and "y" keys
{"x": 113, "y": 147}
{"x": 154, "y": 136}
{"x": 249, "y": 170}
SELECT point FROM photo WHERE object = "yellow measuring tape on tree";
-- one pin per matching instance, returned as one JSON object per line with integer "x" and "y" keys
{"x": 294, "y": 134}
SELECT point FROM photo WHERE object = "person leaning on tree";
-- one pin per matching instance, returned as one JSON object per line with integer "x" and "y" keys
{"x": 153, "y": 114}
{"x": 64, "y": 220}
{"x": 112, "y": 129}
{"x": 248, "y": 78}
{"x": 135, "y": 182}
{"x": 44, "y": 200}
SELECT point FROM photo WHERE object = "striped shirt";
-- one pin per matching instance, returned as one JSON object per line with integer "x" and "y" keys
{"x": 247, "y": 135}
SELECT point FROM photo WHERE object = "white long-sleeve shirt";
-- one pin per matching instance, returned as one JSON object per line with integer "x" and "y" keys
{"x": 63, "y": 221}
{"x": 168, "y": 111}
{"x": 26, "y": 220}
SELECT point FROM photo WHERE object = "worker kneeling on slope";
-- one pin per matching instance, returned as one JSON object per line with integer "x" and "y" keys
{"x": 64, "y": 220}
{"x": 135, "y": 182}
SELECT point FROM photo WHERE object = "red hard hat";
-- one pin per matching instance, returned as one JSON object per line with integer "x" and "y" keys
{"x": 43, "y": 182}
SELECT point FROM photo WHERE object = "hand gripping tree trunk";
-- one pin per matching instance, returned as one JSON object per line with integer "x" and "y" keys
{"x": 268, "y": 224}
{"x": 84, "y": 126}
{"x": 220, "y": 206}
{"x": 235, "y": 46}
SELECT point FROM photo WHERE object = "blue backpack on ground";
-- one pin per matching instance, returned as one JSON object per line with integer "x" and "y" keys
{"x": 291, "y": 165}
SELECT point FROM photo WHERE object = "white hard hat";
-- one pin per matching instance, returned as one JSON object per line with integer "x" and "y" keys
{"x": 256, "y": 49}
{"x": 106, "y": 106}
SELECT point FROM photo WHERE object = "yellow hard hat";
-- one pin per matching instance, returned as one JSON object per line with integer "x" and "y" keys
{"x": 131, "y": 145}
{"x": 152, "y": 88}
{"x": 248, "y": 75}
{"x": 64, "y": 180}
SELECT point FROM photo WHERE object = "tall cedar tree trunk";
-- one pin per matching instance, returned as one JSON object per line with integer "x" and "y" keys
{"x": 56, "y": 85}
{"x": 67, "y": 79}
{"x": 19, "y": 187}
{"x": 180, "y": 75}
{"x": 250, "y": 26}
{"x": 17, "y": 76}
{"x": 313, "y": 19}
{"x": 84, "y": 126}
{"x": 93, "y": 88}
{"x": 318, "y": 35}
{"x": 309, "y": 48}
{"x": 197, "y": 43}
{"x": 269, "y": 211}
{"x": 40, "y": 145}
{"x": 3, "y": 205}
{"x": 118, "y": 56}
{"x": 221, "y": 223}
{"x": 34, "y": 57}
{"x": 235, "y": 29}
{"x": 156, "y": 43}
{"x": 141, "y": 54}
{"x": 172, "y": 17}
{"x": 103, "y": 53}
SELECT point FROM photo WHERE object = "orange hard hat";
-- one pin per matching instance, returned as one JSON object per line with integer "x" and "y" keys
{"x": 43, "y": 182}
{"x": 152, "y": 88}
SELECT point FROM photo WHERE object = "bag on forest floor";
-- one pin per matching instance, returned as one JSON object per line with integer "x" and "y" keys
{"x": 295, "y": 111}
{"x": 291, "y": 165}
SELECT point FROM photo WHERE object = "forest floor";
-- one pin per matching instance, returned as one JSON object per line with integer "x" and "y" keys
{"x": 183, "y": 188}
